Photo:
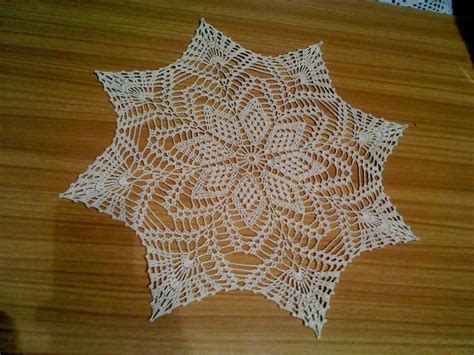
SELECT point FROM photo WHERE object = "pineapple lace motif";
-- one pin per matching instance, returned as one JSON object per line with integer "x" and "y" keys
{"x": 243, "y": 171}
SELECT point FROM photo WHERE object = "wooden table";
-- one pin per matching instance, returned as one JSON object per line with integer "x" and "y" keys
{"x": 74, "y": 280}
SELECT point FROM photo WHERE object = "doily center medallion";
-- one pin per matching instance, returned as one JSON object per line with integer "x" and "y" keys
{"x": 243, "y": 171}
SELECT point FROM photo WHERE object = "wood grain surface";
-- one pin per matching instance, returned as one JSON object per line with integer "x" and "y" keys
{"x": 74, "y": 280}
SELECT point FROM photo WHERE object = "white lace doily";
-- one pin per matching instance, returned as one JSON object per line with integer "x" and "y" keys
{"x": 243, "y": 171}
{"x": 441, "y": 6}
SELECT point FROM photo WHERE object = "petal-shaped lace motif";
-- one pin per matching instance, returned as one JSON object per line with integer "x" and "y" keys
{"x": 222, "y": 125}
{"x": 284, "y": 137}
{"x": 248, "y": 199}
{"x": 203, "y": 150}
{"x": 296, "y": 165}
{"x": 215, "y": 181}
{"x": 255, "y": 121}
{"x": 283, "y": 193}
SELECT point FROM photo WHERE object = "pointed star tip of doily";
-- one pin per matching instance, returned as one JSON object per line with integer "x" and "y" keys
{"x": 69, "y": 194}
{"x": 203, "y": 22}
{"x": 64, "y": 194}
{"x": 409, "y": 238}
{"x": 317, "y": 331}
{"x": 100, "y": 74}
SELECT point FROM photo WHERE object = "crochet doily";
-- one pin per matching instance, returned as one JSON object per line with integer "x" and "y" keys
{"x": 441, "y": 6}
{"x": 244, "y": 171}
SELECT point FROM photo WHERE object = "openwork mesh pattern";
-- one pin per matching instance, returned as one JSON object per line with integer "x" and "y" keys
{"x": 241, "y": 171}
{"x": 441, "y": 6}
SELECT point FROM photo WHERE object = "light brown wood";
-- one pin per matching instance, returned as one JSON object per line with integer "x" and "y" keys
{"x": 74, "y": 280}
